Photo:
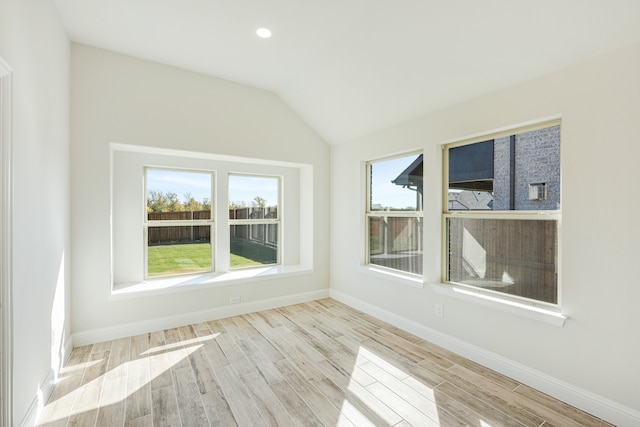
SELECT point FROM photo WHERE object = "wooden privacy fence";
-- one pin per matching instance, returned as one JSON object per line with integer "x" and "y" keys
{"x": 263, "y": 234}
{"x": 515, "y": 256}
{"x": 179, "y": 234}
{"x": 178, "y": 216}
{"x": 270, "y": 212}
{"x": 396, "y": 242}
{"x": 165, "y": 234}
{"x": 174, "y": 234}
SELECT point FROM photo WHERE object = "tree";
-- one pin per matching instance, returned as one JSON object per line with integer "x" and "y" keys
{"x": 237, "y": 205}
{"x": 158, "y": 201}
{"x": 173, "y": 204}
{"x": 259, "y": 202}
{"x": 191, "y": 204}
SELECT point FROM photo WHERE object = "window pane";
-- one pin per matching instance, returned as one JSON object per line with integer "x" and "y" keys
{"x": 176, "y": 250}
{"x": 253, "y": 198}
{"x": 178, "y": 195}
{"x": 396, "y": 243}
{"x": 517, "y": 172}
{"x": 269, "y": 212}
{"x": 396, "y": 184}
{"x": 516, "y": 257}
{"x": 257, "y": 195}
{"x": 253, "y": 245}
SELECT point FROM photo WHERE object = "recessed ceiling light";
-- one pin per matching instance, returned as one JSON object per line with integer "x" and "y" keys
{"x": 264, "y": 33}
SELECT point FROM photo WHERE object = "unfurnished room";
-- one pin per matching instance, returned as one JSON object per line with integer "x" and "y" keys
{"x": 336, "y": 213}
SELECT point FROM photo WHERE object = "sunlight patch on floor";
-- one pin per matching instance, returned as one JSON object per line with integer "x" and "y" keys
{"x": 112, "y": 386}
{"x": 389, "y": 393}
{"x": 181, "y": 343}
{"x": 354, "y": 415}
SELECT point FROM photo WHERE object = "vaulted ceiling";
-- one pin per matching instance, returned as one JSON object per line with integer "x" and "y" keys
{"x": 351, "y": 67}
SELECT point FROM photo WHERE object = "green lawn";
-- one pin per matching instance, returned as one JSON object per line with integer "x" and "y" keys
{"x": 196, "y": 257}
{"x": 245, "y": 254}
{"x": 176, "y": 259}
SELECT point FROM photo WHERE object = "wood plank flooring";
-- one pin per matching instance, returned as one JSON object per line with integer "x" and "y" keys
{"x": 315, "y": 364}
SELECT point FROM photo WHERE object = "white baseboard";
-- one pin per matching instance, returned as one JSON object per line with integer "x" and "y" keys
{"x": 44, "y": 391}
{"x": 598, "y": 406}
{"x": 68, "y": 347}
{"x": 130, "y": 329}
{"x": 39, "y": 401}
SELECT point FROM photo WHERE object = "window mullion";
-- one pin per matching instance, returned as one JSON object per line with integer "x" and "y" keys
{"x": 185, "y": 223}
{"x": 253, "y": 221}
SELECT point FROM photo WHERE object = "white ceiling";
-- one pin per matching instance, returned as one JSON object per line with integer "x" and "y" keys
{"x": 351, "y": 67}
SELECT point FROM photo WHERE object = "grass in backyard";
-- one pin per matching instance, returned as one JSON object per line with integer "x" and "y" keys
{"x": 176, "y": 259}
{"x": 196, "y": 257}
{"x": 245, "y": 254}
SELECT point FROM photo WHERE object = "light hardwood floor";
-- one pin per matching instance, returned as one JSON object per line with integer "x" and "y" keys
{"x": 316, "y": 364}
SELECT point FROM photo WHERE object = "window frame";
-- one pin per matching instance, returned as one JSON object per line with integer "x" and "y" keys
{"x": 146, "y": 223}
{"x": 127, "y": 207}
{"x": 550, "y": 215}
{"x": 385, "y": 215}
{"x": 267, "y": 221}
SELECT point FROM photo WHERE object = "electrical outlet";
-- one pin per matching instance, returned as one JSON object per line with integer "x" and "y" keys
{"x": 439, "y": 310}
{"x": 234, "y": 300}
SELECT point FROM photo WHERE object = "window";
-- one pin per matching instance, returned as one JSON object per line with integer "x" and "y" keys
{"x": 254, "y": 220}
{"x": 183, "y": 219}
{"x": 394, "y": 213}
{"x": 178, "y": 224}
{"x": 502, "y": 212}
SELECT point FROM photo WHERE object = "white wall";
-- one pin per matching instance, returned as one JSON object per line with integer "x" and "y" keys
{"x": 116, "y": 98}
{"x": 34, "y": 44}
{"x": 597, "y": 349}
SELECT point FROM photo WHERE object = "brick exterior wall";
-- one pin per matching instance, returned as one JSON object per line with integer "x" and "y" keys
{"x": 501, "y": 175}
{"x": 537, "y": 160}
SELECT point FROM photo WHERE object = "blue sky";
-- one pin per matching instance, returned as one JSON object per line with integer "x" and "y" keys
{"x": 180, "y": 182}
{"x": 198, "y": 184}
{"x": 384, "y": 192}
{"x": 245, "y": 188}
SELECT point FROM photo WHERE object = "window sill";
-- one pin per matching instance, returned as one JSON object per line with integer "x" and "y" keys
{"x": 536, "y": 313}
{"x": 163, "y": 285}
{"x": 394, "y": 275}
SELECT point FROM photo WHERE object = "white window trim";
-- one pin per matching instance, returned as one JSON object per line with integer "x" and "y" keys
{"x": 299, "y": 261}
{"x": 194, "y": 282}
{"x": 537, "y": 313}
{"x": 537, "y": 310}
{"x": 404, "y": 278}
{"x": 267, "y": 221}
{"x": 398, "y": 276}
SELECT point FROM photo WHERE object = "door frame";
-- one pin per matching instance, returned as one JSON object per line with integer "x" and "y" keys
{"x": 6, "y": 243}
